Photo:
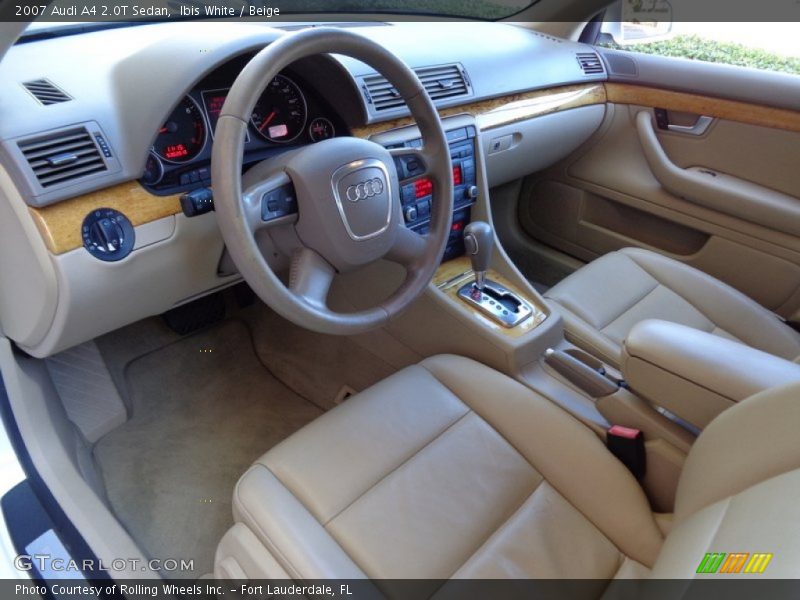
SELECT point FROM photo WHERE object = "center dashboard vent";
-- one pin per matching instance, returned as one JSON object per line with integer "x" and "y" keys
{"x": 46, "y": 92}
{"x": 590, "y": 63}
{"x": 442, "y": 82}
{"x": 63, "y": 156}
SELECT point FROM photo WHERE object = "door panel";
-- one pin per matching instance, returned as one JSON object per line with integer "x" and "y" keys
{"x": 737, "y": 218}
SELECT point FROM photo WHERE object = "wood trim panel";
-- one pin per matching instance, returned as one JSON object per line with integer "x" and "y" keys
{"x": 450, "y": 276}
{"x": 508, "y": 109}
{"x": 731, "y": 110}
{"x": 60, "y": 223}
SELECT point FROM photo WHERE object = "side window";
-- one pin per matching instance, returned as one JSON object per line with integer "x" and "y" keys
{"x": 646, "y": 26}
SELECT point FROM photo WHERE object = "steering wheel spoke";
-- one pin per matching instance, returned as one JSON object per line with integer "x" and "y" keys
{"x": 408, "y": 248}
{"x": 310, "y": 277}
{"x": 270, "y": 202}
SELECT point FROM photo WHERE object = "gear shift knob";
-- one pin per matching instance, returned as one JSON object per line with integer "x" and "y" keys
{"x": 479, "y": 242}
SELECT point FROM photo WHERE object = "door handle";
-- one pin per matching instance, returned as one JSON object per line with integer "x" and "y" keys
{"x": 716, "y": 190}
{"x": 699, "y": 128}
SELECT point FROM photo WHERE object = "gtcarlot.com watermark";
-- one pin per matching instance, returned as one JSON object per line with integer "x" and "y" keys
{"x": 44, "y": 563}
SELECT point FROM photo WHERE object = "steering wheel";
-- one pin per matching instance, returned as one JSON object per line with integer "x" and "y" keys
{"x": 349, "y": 212}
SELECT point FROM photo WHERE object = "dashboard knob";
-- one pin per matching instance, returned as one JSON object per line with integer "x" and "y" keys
{"x": 471, "y": 192}
{"x": 107, "y": 234}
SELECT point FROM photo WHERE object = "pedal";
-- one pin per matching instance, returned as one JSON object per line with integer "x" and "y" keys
{"x": 244, "y": 295}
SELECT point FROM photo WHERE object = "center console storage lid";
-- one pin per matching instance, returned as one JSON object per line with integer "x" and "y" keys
{"x": 695, "y": 374}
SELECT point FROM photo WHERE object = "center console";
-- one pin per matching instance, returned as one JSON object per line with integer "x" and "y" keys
{"x": 479, "y": 304}
{"x": 416, "y": 193}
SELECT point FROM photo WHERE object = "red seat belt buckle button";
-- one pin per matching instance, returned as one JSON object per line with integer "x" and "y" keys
{"x": 624, "y": 432}
{"x": 627, "y": 444}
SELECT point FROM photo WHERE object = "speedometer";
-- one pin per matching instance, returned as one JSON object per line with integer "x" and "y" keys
{"x": 280, "y": 113}
{"x": 184, "y": 134}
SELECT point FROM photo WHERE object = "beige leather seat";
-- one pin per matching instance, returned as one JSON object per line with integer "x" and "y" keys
{"x": 450, "y": 469}
{"x": 602, "y": 301}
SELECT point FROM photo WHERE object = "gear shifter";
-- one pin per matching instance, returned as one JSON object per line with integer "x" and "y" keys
{"x": 479, "y": 242}
{"x": 489, "y": 297}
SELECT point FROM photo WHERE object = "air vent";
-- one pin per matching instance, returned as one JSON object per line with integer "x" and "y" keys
{"x": 64, "y": 156}
{"x": 590, "y": 63}
{"x": 442, "y": 82}
{"x": 46, "y": 92}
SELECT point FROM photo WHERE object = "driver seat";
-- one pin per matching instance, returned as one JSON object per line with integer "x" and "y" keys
{"x": 449, "y": 469}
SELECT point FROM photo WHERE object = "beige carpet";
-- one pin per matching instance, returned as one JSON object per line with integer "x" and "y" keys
{"x": 202, "y": 409}
{"x": 314, "y": 365}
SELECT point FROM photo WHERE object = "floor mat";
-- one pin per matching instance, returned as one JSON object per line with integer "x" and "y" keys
{"x": 203, "y": 409}
{"x": 314, "y": 365}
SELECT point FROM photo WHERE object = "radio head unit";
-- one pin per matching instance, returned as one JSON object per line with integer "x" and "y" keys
{"x": 416, "y": 195}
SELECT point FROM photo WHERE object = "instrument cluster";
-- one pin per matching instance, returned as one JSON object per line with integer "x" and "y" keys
{"x": 288, "y": 113}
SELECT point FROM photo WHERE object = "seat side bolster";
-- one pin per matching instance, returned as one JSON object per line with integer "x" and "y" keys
{"x": 760, "y": 523}
{"x": 570, "y": 457}
{"x": 749, "y": 443}
{"x": 290, "y": 533}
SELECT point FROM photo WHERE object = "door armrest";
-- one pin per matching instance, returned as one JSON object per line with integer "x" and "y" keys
{"x": 718, "y": 191}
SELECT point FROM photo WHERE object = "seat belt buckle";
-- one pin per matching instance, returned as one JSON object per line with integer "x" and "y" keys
{"x": 627, "y": 444}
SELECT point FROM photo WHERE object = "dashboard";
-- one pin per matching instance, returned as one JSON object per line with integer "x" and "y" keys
{"x": 291, "y": 112}
{"x": 132, "y": 137}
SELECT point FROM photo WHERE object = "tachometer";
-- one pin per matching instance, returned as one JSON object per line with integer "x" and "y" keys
{"x": 280, "y": 114}
{"x": 184, "y": 134}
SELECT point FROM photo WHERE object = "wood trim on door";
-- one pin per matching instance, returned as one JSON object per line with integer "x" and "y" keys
{"x": 731, "y": 110}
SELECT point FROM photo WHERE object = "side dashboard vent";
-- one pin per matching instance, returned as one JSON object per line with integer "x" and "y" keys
{"x": 46, "y": 92}
{"x": 590, "y": 63}
{"x": 441, "y": 82}
{"x": 63, "y": 156}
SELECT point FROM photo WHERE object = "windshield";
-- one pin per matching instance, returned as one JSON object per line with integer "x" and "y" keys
{"x": 62, "y": 13}
{"x": 473, "y": 9}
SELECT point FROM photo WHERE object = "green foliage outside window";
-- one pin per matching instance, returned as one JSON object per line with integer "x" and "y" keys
{"x": 697, "y": 48}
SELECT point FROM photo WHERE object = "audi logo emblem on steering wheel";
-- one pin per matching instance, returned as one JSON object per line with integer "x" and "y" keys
{"x": 364, "y": 189}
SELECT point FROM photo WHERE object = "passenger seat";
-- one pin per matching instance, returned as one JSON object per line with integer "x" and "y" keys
{"x": 602, "y": 301}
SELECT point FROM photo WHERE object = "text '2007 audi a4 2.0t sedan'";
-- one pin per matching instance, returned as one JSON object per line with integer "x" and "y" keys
{"x": 431, "y": 299}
